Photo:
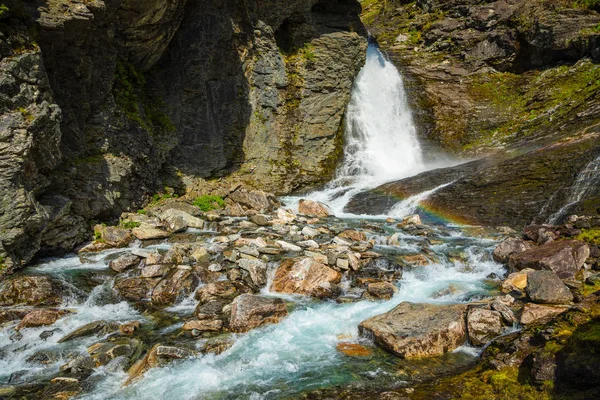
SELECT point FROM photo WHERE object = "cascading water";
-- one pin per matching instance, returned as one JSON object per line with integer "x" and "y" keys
{"x": 381, "y": 138}
{"x": 586, "y": 180}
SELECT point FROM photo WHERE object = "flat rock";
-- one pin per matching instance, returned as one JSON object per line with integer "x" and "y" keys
{"x": 564, "y": 257}
{"x": 250, "y": 311}
{"x": 353, "y": 349}
{"x": 149, "y": 233}
{"x": 483, "y": 325}
{"x": 382, "y": 290}
{"x": 124, "y": 262}
{"x": 29, "y": 290}
{"x": 114, "y": 236}
{"x": 306, "y": 276}
{"x": 206, "y": 325}
{"x": 547, "y": 288}
{"x": 418, "y": 330}
{"x": 538, "y": 313}
{"x": 40, "y": 318}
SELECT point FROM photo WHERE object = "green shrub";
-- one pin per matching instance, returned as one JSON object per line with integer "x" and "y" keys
{"x": 208, "y": 202}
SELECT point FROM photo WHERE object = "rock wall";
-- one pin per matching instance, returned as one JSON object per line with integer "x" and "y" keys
{"x": 107, "y": 102}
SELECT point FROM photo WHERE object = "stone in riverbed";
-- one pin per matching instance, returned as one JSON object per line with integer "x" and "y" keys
{"x": 249, "y": 311}
{"x": 29, "y": 290}
{"x": 212, "y": 325}
{"x": 314, "y": 209}
{"x": 124, "y": 262}
{"x": 288, "y": 246}
{"x": 149, "y": 233}
{"x": 40, "y": 318}
{"x": 306, "y": 276}
{"x": 563, "y": 257}
{"x": 114, "y": 236}
{"x": 256, "y": 269}
{"x": 353, "y": 349}
{"x": 177, "y": 284}
{"x": 483, "y": 325}
{"x": 96, "y": 327}
{"x": 159, "y": 354}
{"x": 382, "y": 290}
{"x": 353, "y": 235}
{"x": 537, "y": 313}
{"x": 309, "y": 232}
{"x": 510, "y": 246}
{"x": 516, "y": 281}
{"x": 178, "y": 220}
{"x": 220, "y": 290}
{"x": 418, "y": 330}
{"x": 547, "y": 288}
{"x": 135, "y": 289}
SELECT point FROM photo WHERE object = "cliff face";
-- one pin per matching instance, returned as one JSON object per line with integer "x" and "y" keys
{"x": 106, "y": 102}
{"x": 516, "y": 83}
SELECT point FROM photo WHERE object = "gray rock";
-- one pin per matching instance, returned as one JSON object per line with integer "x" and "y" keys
{"x": 250, "y": 311}
{"x": 563, "y": 257}
{"x": 546, "y": 287}
{"x": 483, "y": 325}
{"x": 510, "y": 246}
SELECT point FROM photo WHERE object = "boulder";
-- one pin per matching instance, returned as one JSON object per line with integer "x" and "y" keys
{"x": 306, "y": 276}
{"x": 40, "y": 318}
{"x": 314, "y": 209}
{"x": 135, "y": 288}
{"x": 418, "y": 330}
{"x": 113, "y": 235}
{"x": 288, "y": 246}
{"x": 250, "y": 311}
{"x": 180, "y": 282}
{"x": 483, "y": 325}
{"x": 540, "y": 233}
{"x": 563, "y": 257}
{"x": 220, "y": 290}
{"x": 381, "y": 290}
{"x": 516, "y": 281}
{"x": 537, "y": 313}
{"x": 205, "y": 325}
{"x": 508, "y": 247}
{"x": 353, "y": 235}
{"x": 547, "y": 288}
{"x": 93, "y": 328}
{"x": 178, "y": 220}
{"x": 29, "y": 290}
{"x": 256, "y": 269}
{"x": 159, "y": 354}
{"x": 149, "y": 233}
{"x": 124, "y": 262}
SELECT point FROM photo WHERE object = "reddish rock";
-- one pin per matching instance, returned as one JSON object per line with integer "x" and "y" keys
{"x": 306, "y": 276}
{"x": 563, "y": 257}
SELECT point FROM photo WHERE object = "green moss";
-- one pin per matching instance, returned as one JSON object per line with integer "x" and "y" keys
{"x": 209, "y": 202}
{"x": 138, "y": 104}
{"x": 158, "y": 197}
{"x": 590, "y": 236}
{"x": 97, "y": 235}
{"x": 129, "y": 224}
{"x": 142, "y": 212}
{"x": 4, "y": 11}
{"x": 308, "y": 51}
{"x": 26, "y": 114}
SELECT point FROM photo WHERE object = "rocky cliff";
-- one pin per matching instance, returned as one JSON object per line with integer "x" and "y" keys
{"x": 514, "y": 82}
{"x": 107, "y": 102}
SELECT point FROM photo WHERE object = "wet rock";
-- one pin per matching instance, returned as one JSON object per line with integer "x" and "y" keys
{"x": 353, "y": 235}
{"x": 353, "y": 349}
{"x": 379, "y": 269}
{"x": 81, "y": 364}
{"x": 256, "y": 269}
{"x": 381, "y": 290}
{"x": 93, "y": 328}
{"x": 563, "y": 257}
{"x": 13, "y": 313}
{"x": 289, "y": 247}
{"x": 507, "y": 314}
{"x": 205, "y": 325}
{"x": 158, "y": 355}
{"x": 538, "y": 314}
{"x": 418, "y": 330}
{"x": 310, "y": 233}
{"x": 415, "y": 260}
{"x": 40, "y": 318}
{"x": 210, "y": 310}
{"x": 221, "y": 290}
{"x": 516, "y": 281}
{"x": 29, "y": 290}
{"x": 178, "y": 220}
{"x": 260, "y": 219}
{"x": 483, "y": 325}
{"x": 314, "y": 209}
{"x": 547, "y": 288}
{"x": 179, "y": 283}
{"x": 114, "y": 236}
{"x": 216, "y": 346}
{"x": 135, "y": 289}
{"x": 124, "y": 262}
{"x": 149, "y": 233}
{"x": 129, "y": 328}
{"x": 48, "y": 334}
{"x": 510, "y": 246}
{"x": 104, "y": 352}
{"x": 62, "y": 388}
{"x": 414, "y": 219}
{"x": 306, "y": 276}
{"x": 154, "y": 270}
{"x": 251, "y": 311}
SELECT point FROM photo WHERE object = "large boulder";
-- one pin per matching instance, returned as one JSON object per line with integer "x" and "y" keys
{"x": 538, "y": 313}
{"x": 124, "y": 262}
{"x": 483, "y": 325}
{"x": 40, "y": 318}
{"x": 114, "y": 236}
{"x": 314, "y": 209}
{"x": 510, "y": 246}
{"x": 546, "y": 287}
{"x": 563, "y": 257}
{"x": 249, "y": 311}
{"x": 29, "y": 290}
{"x": 417, "y": 330}
{"x": 306, "y": 276}
{"x": 180, "y": 282}
{"x": 148, "y": 233}
{"x": 256, "y": 269}
{"x": 178, "y": 220}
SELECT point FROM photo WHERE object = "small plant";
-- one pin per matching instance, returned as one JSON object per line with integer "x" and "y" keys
{"x": 309, "y": 52}
{"x": 590, "y": 236}
{"x": 156, "y": 198}
{"x": 142, "y": 212}
{"x": 97, "y": 235}
{"x": 4, "y": 11}
{"x": 208, "y": 202}
{"x": 129, "y": 224}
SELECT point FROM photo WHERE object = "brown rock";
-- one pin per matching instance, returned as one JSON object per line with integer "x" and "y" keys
{"x": 29, "y": 290}
{"x": 483, "y": 325}
{"x": 353, "y": 235}
{"x": 129, "y": 328}
{"x": 114, "y": 236}
{"x": 546, "y": 287}
{"x": 213, "y": 325}
{"x": 515, "y": 281}
{"x": 220, "y": 290}
{"x": 40, "y": 318}
{"x": 353, "y": 349}
{"x": 510, "y": 246}
{"x": 179, "y": 283}
{"x": 563, "y": 257}
{"x": 156, "y": 356}
{"x": 382, "y": 290}
{"x": 416, "y": 260}
{"x": 149, "y": 233}
{"x": 417, "y": 330}
{"x": 135, "y": 289}
{"x": 124, "y": 262}
{"x": 249, "y": 311}
{"x": 306, "y": 276}
{"x": 314, "y": 209}
{"x": 537, "y": 313}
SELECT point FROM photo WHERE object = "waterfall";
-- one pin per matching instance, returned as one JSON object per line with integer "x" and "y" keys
{"x": 588, "y": 177}
{"x": 381, "y": 140}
